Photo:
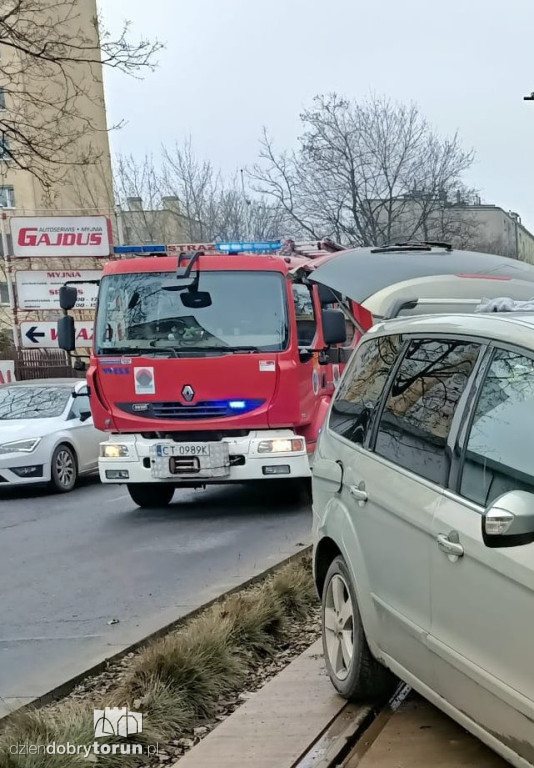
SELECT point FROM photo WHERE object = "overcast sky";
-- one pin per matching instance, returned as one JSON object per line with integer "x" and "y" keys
{"x": 232, "y": 66}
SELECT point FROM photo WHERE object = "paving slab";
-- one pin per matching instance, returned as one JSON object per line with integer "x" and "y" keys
{"x": 276, "y": 727}
{"x": 418, "y": 736}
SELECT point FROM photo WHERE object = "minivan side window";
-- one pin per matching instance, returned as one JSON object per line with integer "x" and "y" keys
{"x": 417, "y": 418}
{"x": 498, "y": 455}
{"x": 362, "y": 387}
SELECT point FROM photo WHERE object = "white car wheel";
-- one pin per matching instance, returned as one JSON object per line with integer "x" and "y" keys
{"x": 64, "y": 469}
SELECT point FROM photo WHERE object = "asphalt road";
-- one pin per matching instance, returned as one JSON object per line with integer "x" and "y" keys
{"x": 71, "y": 564}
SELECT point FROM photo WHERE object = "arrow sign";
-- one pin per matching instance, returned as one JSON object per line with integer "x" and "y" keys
{"x": 33, "y": 335}
{"x": 43, "y": 335}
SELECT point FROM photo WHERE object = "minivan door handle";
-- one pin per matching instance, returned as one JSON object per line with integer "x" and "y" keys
{"x": 450, "y": 547}
{"x": 359, "y": 493}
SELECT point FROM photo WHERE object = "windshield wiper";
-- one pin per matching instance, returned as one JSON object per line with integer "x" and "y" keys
{"x": 138, "y": 351}
{"x": 214, "y": 348}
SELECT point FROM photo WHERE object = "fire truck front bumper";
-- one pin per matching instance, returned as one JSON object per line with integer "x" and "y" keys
{"x": 260, "y": 455}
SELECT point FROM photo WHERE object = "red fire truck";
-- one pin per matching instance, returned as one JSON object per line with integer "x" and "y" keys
{"x": 211, "y": 364}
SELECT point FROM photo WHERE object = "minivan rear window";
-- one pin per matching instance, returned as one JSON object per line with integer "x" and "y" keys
{"x": 362, "y": 387}
{"x": 498, "y": 457}
{"x": 417, "y": 418}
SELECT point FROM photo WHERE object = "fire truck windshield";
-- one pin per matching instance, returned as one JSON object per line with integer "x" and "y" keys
{"x": 235, "y": 311}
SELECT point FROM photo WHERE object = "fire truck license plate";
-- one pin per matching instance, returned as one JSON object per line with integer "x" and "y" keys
{"x": 183, "y": 449}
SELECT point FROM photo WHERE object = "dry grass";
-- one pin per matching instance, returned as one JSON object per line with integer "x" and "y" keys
{"x": 177, "y": 680}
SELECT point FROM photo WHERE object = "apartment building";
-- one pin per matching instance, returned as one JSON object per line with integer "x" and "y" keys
{"x": 471, "y": 226}
{"x": 78, "y": 188}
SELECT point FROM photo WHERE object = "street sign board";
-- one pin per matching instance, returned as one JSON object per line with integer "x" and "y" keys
{"x": 40, "y": 289}
{"x": 44, "y": 335}
{"x": 61, "y": 236}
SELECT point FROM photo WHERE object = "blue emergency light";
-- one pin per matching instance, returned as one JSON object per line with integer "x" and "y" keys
{"x": 119, "y": 249}
{"x": 267, "y": 246}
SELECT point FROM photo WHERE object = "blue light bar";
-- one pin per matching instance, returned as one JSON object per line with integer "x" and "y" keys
{"x": 260, "y": 247}
{"x": 140, "y": 249}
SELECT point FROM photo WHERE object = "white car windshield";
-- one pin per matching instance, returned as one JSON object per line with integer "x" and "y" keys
{"x": 32, "y": 402}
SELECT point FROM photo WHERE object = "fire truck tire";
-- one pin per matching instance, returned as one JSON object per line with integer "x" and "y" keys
{"x": 150, "y": 495}
{"x": 297, "y": 490}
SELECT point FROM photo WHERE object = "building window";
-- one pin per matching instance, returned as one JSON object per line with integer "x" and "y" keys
{"x": 7, "y": 197}
{"x": 4, "y": 295}
{"x": 4, "y": 148}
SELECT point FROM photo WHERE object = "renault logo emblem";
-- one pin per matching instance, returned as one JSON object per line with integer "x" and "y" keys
{"x": 188, "y": 393}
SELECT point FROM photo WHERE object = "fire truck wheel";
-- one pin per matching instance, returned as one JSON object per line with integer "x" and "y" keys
{"x": 150, "y": 495}
{"x": 297, "y": 490}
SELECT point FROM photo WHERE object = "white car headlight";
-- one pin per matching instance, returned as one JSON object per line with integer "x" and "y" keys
{"x": 20, "y": 446}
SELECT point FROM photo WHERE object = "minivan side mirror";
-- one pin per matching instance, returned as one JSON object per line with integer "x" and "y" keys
{"x": 68, "y": 296}
{"x": 334, "y": 327}
{"x": 509, "y": 520}
{"x": 66, "y": 335}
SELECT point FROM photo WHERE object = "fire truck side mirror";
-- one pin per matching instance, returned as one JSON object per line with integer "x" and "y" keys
{"x": 68, "y": 295}
{"x": 334, "y": 327}
{"x": 328, "y": 295}
{"x": 66, "y": 336}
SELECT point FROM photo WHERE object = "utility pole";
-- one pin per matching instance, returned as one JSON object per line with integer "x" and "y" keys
{"x": 248, "y": 233}
{"x": 9, "y": 274}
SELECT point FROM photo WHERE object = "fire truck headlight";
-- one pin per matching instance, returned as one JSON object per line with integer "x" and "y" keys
{"x": 114, "y": 451}
{"x": 281, "y": 445}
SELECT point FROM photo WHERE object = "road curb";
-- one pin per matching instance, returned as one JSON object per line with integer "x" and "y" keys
{"x": 63, "y": 690}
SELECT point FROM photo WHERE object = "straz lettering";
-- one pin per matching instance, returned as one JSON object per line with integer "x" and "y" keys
{"x": 30, "y": 237}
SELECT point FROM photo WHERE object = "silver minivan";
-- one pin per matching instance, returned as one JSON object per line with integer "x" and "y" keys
{"x": 423, "y": 502}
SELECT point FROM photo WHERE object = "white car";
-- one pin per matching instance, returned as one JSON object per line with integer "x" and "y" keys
{"x": 47, "y": 433}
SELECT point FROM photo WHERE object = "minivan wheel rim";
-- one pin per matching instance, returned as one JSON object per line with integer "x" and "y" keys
{"x": 64, "y": 468}
{"x": 338, "y": 626}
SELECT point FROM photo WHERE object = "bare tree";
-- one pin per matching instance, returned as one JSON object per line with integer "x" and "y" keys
{"x": 215, "y": 208}
{"x": 365, "y": 173}
{"x": 52, "y": 52}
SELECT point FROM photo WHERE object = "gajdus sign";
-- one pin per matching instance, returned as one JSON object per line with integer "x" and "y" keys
{"x": 61, "y": 236}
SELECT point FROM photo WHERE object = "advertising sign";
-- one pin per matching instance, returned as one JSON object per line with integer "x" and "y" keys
{"x": 7, "y": 371}
{"x": 40, "y": 289}
{"x": 61, "y": 236}
{"x": 44, "y": 335}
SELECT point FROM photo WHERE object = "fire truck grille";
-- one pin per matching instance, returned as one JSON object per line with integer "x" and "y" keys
{"x": 207, "y": 409}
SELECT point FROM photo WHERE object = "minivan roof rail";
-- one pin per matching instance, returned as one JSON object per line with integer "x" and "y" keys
{"x": 401, "y": 304}
{"x": 412, "y": 245}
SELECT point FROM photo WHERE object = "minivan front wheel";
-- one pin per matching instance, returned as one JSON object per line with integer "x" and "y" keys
{"x": 354, "y": 673}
